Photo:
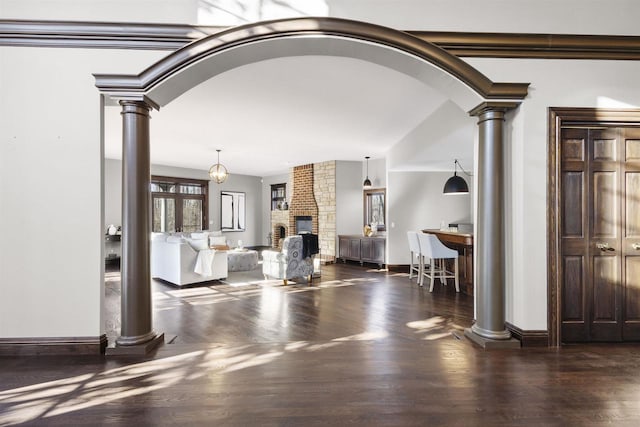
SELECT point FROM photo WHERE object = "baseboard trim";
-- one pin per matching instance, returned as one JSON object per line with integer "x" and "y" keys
{"x": 53, "y": 346}
{"x": 398, "y": 268}
{"x": 529, "y": 338}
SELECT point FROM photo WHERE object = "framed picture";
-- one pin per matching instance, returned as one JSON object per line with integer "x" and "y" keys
{"x": 232, "y": 211}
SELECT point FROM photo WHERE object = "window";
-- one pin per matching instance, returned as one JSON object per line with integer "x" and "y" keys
{"x": 179, "y": 204}
{"x": 278, "y": 196}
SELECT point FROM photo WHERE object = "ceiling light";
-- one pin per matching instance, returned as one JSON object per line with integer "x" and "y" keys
{"x": 367, "y": 182}
{"x": 456, "y": 184}
{"x": 218, "y": 172}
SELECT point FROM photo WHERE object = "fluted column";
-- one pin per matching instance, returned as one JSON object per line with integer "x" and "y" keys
{"x": 489, "y": 238}
{"x": 136, "y": 305}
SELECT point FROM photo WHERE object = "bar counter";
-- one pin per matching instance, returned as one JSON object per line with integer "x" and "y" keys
{"x": 463, "y": 243}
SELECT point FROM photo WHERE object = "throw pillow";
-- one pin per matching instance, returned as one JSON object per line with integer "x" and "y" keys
{"x": 198, "y": 244}
{"x": 217, "y": 240}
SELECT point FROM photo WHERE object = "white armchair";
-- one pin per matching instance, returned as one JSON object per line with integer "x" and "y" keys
{"x": 289, "y": 263}
{"x": 174, "y": 260}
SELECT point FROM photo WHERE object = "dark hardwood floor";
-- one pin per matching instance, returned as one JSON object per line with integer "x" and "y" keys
{"x": 359, "y": 347}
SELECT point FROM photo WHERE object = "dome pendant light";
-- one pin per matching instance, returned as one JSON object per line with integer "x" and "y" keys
{"x": 367, "y": 182}
{"x": 456, "y": 184}
{"x": 218, "y": 172}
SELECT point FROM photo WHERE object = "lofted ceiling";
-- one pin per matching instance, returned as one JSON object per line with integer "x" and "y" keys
{"x": 271, "y": 115}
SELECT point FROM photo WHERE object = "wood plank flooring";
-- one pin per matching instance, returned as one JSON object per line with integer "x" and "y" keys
{"x": 360, "y": 347}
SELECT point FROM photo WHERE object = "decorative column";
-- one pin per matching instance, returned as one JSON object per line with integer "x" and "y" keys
{"x": 136, "y": 333}
{"x": 489, "y": 329}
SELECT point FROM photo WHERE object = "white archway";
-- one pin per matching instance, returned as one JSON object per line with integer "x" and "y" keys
{"x": 197, "y": 62}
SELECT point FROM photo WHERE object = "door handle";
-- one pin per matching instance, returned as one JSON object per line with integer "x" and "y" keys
{"x": 636, "y": 246}
{"x": 605, "y": 247}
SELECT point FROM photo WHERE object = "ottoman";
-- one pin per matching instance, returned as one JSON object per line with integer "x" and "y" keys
{"x": 242, "y": 260}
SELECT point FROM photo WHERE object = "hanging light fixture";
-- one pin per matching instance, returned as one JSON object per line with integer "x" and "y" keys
{"x": 367, "y": 182}
{"x": 218, "y": 172}
{"x": 456, "y": 184}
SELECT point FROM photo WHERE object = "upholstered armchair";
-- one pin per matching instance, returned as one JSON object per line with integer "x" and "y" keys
{"x": 289, "y": 263}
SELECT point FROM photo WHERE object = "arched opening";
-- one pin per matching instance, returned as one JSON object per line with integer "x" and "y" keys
{"x": 198, "y": 62}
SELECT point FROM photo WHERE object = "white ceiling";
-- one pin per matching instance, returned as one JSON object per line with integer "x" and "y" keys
{"x": 275, "y": 114}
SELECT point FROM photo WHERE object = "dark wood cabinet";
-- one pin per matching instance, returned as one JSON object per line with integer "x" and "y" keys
{"x": 362, "y": 249}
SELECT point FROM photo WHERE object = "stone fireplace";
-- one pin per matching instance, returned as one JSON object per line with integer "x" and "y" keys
{"x": 312, "y": 207}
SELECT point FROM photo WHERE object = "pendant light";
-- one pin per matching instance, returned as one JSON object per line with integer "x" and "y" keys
{"x": 456, "y": 184}
{"x": 367, "y": 182}
{"x": 218, "y": 172}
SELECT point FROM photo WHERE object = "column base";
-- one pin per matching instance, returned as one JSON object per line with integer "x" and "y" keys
{"x": 136, "y": 350}
{"x": 488, "y": 343}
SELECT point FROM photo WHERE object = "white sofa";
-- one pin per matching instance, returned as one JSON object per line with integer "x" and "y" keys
{"x": 173, "y": 259}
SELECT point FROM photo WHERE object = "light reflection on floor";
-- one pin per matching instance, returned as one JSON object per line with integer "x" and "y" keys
{"x": 52, "y": 398}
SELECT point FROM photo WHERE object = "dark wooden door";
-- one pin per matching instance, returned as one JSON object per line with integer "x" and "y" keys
{"x": 600, "y": 226}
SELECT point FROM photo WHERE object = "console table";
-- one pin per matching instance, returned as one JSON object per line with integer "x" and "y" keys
{"x": 463, "y": 243}
{"x": 362, "y": 249}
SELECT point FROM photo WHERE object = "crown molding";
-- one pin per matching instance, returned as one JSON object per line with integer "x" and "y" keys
{"x": 544, "y": 46}
{"x": 106, "y": 35}
{"x": 144, "y": 36}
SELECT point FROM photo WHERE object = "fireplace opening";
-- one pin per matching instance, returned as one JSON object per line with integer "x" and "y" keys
{"x": 304, "y": 224}
{"x": 282, "y": 233}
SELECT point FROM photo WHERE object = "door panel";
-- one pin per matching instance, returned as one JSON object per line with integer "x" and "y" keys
{"x": 573, "y": 290}
{"x": 575, "y": 246}
{"x": 573, "y": 149}
{"x": 631, "y": 235}
{"x": 572, "y": 183}
{"x": 632, "y": 214}
{"x": 604, "y": 149}
{"x": 632, "y": 285}
{"x": 632, "y": 149}
{"x": 605, "y": 281}
{"x": 605, "y": 208}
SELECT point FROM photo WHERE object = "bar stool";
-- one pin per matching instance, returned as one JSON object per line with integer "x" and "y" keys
{"x": 436, "y": 252}
{"x": 416, "y": 255}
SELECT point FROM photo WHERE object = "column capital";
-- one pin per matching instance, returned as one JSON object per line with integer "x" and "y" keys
{"x": 140, "y": 101}
{"x": 135, "y": 107}
{"x": 493, "y": 107}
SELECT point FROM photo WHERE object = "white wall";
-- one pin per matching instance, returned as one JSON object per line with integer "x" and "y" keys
{"x": 169, "y": 11}
{"x": 445, "y": 135}
{"x": 377, "y": 172}
{"x": 349, "y": 203}
{"x": 526, "y": 16}
{"x": 415, "y": 202}
{"x": 51, "y": 262}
